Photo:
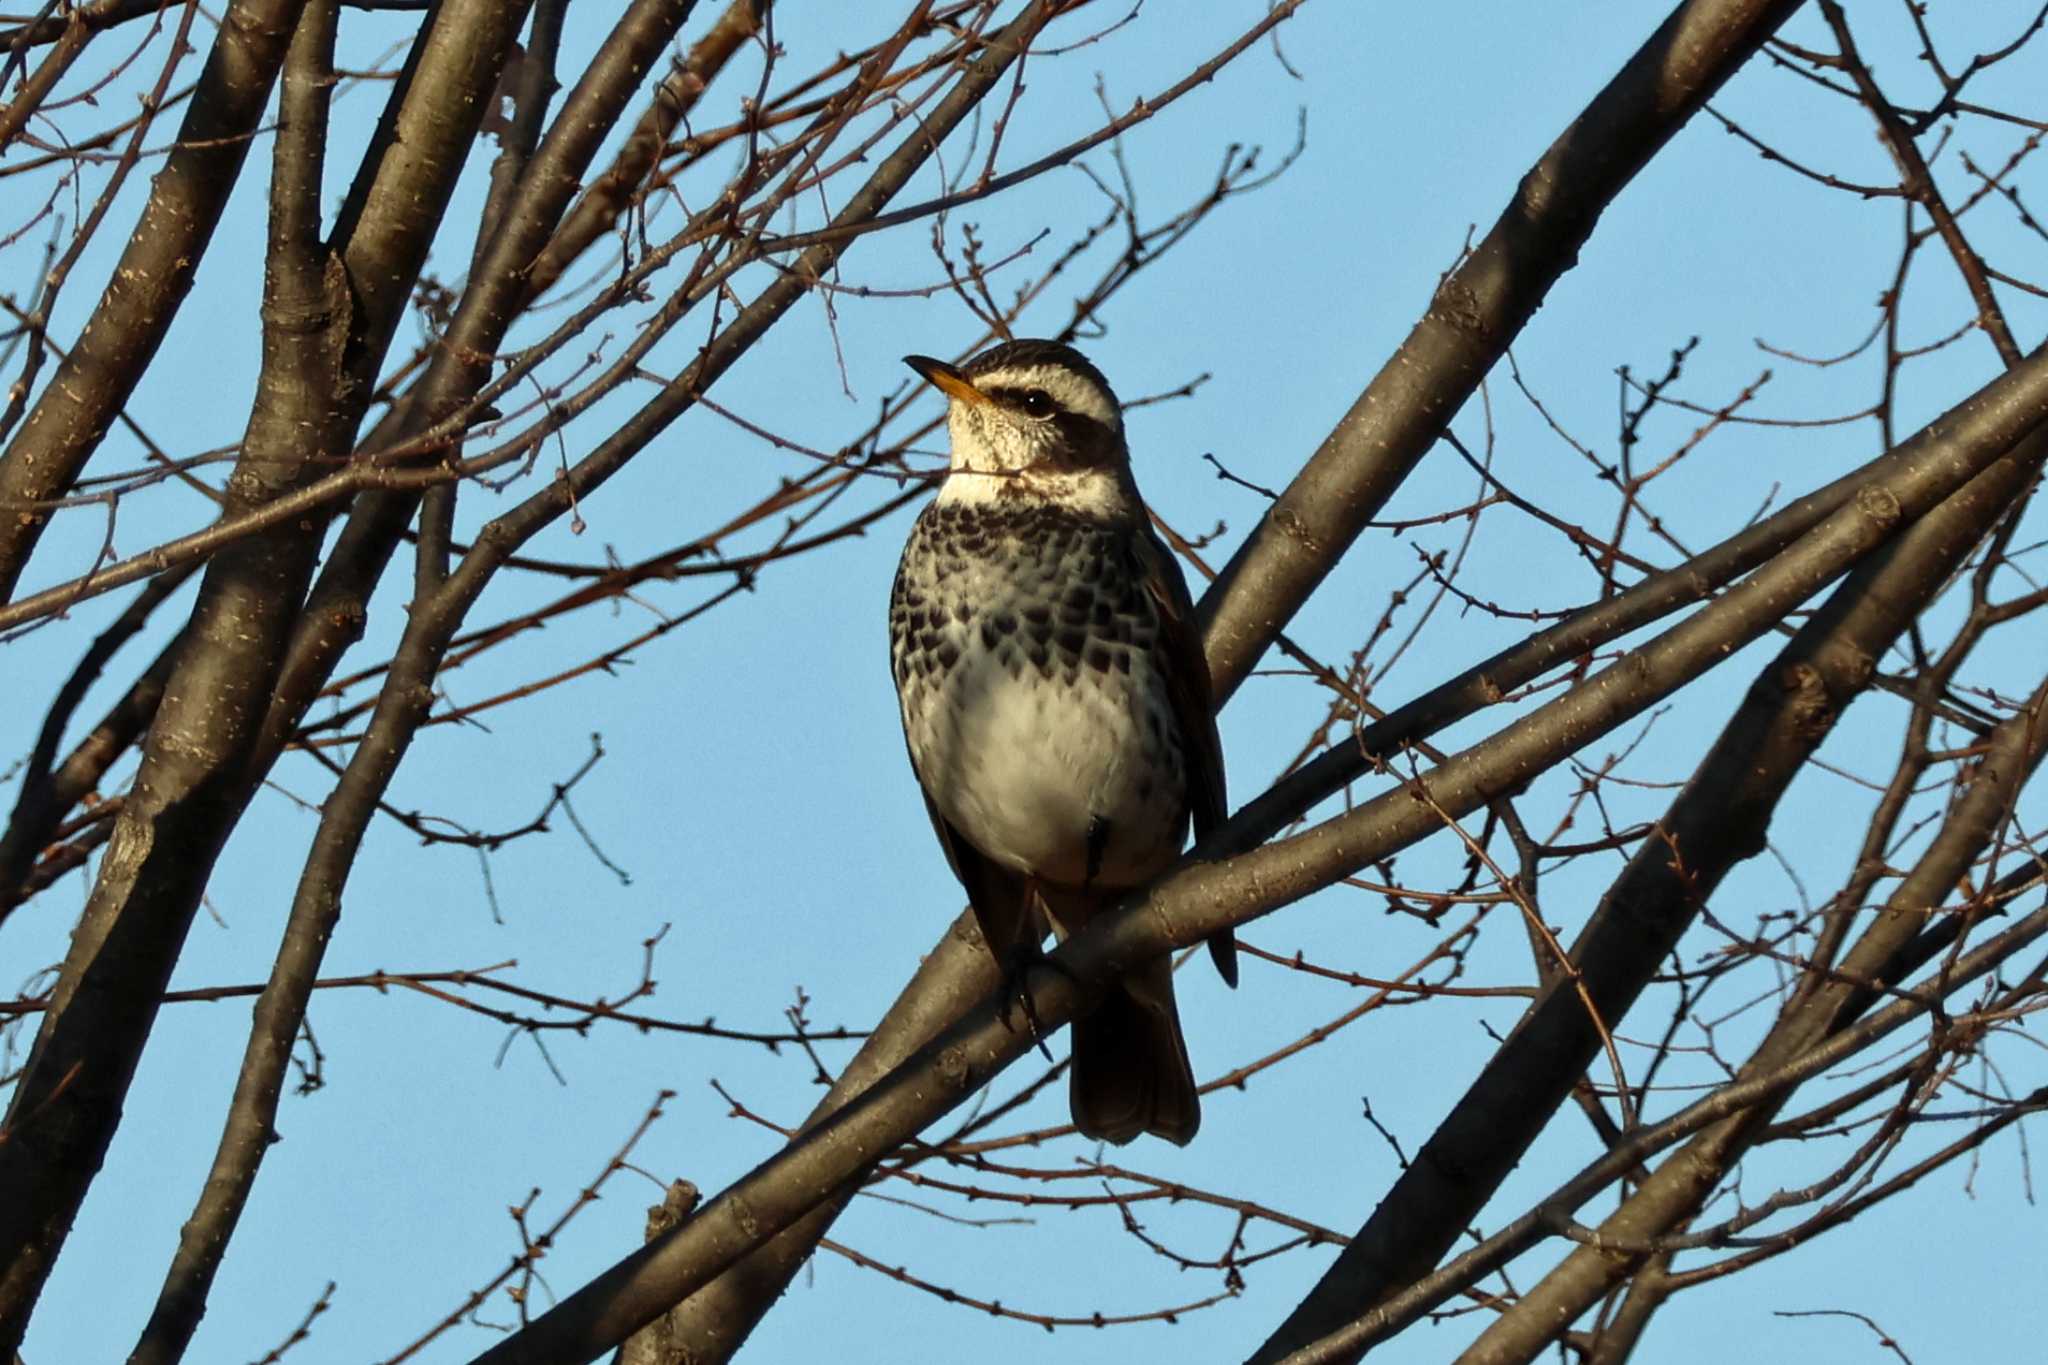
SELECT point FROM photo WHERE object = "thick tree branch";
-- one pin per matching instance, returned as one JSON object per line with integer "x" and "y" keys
{"x": 434, "y": 621}
{"x": 1200, "y": 898}
{"x": 150, "y": 281}
{"x": 1705, "y": 833}
{"x": 325, "y": 325}
{"x": 1716, "y": 822}
{"x": 613, "y": 192}
{"x": 1478, "y": 310}
{"x": 529, "y": 215}
{"x": 1350, "y": 1340}
{"x": 49, "y": 790}
{"x": 303, "y": 399}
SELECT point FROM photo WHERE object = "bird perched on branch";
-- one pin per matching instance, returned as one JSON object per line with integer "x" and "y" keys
{"x": 1056, "y": 700}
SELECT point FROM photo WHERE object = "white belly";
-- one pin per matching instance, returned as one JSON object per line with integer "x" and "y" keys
{"x": 1035, "y": 716}
{"x": 1024, "y": 767}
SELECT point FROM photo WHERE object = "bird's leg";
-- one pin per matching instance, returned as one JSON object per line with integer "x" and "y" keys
{"x": 1017, "y": 965}
{"x": 1024, "y": 954}
{"x": 1098, "y": 844}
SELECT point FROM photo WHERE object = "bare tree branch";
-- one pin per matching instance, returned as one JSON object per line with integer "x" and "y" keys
{"x": 1476, "y": 313}
{"x": 155, "y": 272}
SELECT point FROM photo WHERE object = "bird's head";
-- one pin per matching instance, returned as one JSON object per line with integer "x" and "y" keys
{"x": 1034, "y": 419}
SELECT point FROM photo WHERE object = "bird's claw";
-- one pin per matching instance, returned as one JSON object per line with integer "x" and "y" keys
{"x": 1017, "y": 989}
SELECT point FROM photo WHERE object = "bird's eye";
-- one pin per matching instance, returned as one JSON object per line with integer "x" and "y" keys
{"x": 1036, "y": 402}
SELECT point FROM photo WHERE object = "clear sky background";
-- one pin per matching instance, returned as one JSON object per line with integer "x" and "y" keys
{"x": 754, "y": 785}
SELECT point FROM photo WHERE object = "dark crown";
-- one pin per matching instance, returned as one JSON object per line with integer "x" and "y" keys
{"x": 1030, "y": 351}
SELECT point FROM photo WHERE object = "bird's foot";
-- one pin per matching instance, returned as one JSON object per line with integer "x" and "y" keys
{"x": 1016, "y": 988}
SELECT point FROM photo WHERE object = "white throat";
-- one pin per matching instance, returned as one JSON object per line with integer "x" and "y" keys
{"x": 1096, "y": 494}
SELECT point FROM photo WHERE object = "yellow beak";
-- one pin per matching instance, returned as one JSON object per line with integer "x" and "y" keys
{"x": 947, "y": 379}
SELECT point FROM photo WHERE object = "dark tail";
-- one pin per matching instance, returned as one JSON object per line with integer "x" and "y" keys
{"x": 1130, "y": 1072}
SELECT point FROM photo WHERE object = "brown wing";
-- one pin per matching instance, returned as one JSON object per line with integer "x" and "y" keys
{"x": 998, "y": 895}
{"x": 1187, "y": 685}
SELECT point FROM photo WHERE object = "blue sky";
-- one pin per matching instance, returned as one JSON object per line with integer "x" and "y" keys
{"x": 754, "y": 785}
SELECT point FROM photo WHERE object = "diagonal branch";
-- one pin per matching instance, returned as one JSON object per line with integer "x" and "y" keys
{"x": 149, "y": 282}
{"x": 48, "y": 789}
{"x": 327, "y": 316}
{"x": 436, "y": 618}
{"x": 1763, "y": 748}
{"x": 1718, "y": 820}
{"x": 1350, "y": 1340}
{"x": 1200, "y": 899}
{"x": 1475, "y": 316}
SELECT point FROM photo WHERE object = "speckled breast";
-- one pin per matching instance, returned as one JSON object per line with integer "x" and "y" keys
{"x": 1028, "y": 661}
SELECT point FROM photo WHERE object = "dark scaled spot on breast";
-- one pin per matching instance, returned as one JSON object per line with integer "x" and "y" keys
{"x": 1098, "y": 658}
{"x": 949, "y": 654}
